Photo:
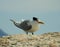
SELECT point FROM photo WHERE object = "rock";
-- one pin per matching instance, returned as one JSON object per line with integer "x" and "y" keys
{"x": 23, "y": 40}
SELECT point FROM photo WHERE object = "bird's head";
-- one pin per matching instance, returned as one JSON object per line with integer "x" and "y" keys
{"x": 37, "y": 20}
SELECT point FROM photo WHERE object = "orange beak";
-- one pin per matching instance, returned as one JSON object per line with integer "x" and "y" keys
{"x": 40, "y": 22}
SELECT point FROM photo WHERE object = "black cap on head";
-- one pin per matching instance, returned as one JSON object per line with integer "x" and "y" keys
{"x": 34, "y": 18}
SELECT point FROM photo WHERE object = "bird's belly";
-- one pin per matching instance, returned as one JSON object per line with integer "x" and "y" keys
{"x": 34, "y": 28}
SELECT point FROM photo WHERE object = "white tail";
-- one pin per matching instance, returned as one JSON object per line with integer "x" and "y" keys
{"x": 12, "y": 20}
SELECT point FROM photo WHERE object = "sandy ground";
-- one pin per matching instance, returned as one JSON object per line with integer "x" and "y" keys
{"x": 23, "y": 40}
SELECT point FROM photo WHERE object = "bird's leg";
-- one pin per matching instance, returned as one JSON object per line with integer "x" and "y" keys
{"x": 27, "y": 33}
{"x": 32, "y": 33}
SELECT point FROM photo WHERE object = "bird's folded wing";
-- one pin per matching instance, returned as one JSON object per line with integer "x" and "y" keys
{"x": 25, "y": 26}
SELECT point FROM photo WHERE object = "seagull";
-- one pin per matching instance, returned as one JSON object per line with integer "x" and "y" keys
{"x": 28, "y": 25}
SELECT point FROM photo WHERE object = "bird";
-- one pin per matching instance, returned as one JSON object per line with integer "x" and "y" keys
{"x": 28, "y": 25}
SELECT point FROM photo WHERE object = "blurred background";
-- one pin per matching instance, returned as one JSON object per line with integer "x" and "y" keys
{"x": 46, "y": 10}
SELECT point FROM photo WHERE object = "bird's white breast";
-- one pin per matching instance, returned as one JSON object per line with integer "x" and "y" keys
{"x": 35, "y": 26}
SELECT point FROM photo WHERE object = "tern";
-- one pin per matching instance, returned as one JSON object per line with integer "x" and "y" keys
{"x": 28, "y": 25}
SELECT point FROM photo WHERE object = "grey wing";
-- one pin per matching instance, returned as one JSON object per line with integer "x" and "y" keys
{"x": 24, "y": 25}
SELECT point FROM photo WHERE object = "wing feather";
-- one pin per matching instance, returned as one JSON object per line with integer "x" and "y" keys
{"x": 24, "y": 25}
